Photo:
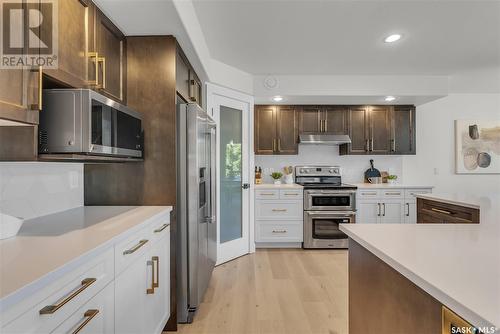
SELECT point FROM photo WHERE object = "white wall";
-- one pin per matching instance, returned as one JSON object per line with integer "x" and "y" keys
{"x": 33, "y": 189}
{"x": 353, "y": 167}
{"x": 435, "y": 159}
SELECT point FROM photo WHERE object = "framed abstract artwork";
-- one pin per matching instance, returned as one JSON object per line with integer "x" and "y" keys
{"x": 477, "y": 146}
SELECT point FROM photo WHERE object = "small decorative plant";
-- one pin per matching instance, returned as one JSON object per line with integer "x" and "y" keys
{"x": 392, "y": 178}
{"x": 277, "y": 177}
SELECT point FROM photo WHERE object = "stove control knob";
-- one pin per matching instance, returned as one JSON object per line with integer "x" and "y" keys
{"x": 332, "y": 171}
{"x": 302, "y": 170}
{"x": 336, "y": 171}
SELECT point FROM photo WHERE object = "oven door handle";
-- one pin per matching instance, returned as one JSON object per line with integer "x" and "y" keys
{"x": 326, "y": 214}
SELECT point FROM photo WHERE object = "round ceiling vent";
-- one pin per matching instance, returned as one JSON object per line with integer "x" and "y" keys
{"x": 270, "y": 82}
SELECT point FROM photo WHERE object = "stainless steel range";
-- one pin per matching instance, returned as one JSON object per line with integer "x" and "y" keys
{"x": 327, "y": 203}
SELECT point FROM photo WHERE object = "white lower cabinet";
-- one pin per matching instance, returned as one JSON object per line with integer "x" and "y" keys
{"x": 142, "y": 290}
{"x": 388, "y": 206}
{"x": 125, "y": 289}
{"x": 279, "y": 217}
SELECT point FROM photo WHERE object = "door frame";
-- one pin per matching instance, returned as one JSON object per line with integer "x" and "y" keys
{"x": 214, "y": 91}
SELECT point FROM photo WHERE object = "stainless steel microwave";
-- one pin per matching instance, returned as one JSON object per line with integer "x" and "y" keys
{"x": 81, "y": 121}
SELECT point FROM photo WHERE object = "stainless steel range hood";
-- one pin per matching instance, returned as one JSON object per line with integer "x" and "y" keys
{"x": 324, "y": 139}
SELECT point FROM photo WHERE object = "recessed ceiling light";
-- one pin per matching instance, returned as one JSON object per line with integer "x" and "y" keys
{"x": 392, "y": 38}
{"x": 390, "y": 98}
{"x": 278, "y": 98}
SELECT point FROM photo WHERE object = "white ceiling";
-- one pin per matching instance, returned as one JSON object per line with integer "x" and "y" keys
{"x": 346, "y": 37}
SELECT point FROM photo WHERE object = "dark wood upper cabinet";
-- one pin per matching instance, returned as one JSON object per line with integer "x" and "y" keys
{"x": 287, "y": 130}
{"x": 379, "y": 138}
{"x": 188, "y": 84}
{"x": 110, "y": 45}
{"x": 310, "y": 119}
{"x": 335, "y": 119}
{"x": 74, "y": 29}
{"x": 265, "y": 130}
{"x": 403, "y": 130}
{"x": 358, "y": 130}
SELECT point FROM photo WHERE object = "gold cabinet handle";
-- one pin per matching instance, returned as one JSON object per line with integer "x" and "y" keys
{"x": 192, "y": 84}
{"x": 38, "y": 106}
{"x": 102, "y": 60}
{"x": 151, "y": 290}
{"x": 441, "y": 211}
{"x": 50, "y": 309}
{"x": 135, "y": 248}
{"x": 156, "y": 283}
{"x": 279, "y": 210}
{"x": 95, "y": 56}
{"x": 279, "y": 144}
{"x": 279, "y": 231}
{"x": 393, "y": 193}
{"x": 88, "y": 316}
{"x": 367, "y": 148}
{"x": 158, "y": 230}
{"x": 326, "y": 125}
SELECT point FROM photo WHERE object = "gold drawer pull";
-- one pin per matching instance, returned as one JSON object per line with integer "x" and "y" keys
{"x": 267, "y": 194}
{"x": 291, "y": 194}
{"x": 96, "y": 56}
{"x": 88, "y": 315}
{"x": 441, "y": 211}
{"x": 393, "y": 193}
{"x": 158, "y": 230}
{"x": 136, "y": 247}
{"x": 50, "y": 309}
{"x": 370, "y": 194}
{"x": 279, "y": 210}
{"x": 157, "y": 260}
{"x": 279, "y": 231}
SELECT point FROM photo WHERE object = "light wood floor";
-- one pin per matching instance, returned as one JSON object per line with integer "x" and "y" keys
{"x": 276, "y": 291}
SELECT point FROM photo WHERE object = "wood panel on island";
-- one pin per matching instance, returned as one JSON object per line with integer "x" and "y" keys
{"x": 436, "y": 212}
{"x": 382, "y": 130}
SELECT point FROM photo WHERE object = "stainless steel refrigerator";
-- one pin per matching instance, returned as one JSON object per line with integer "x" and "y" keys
{"x": 197, "y": 228}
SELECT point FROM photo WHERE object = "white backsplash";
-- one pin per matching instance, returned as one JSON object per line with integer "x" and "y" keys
{"x": 353, "y": 167}
{"x": 33, "y": 189}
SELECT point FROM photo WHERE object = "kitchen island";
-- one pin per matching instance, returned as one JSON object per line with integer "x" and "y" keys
{"x": 401, "y": 275}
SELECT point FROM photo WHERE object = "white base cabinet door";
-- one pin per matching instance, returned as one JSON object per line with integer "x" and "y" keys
{"x": 368, "y": 212}
{"x": 392, "y": 211}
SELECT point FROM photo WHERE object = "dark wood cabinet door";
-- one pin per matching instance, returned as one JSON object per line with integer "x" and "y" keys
{"x": 358, "y": 130}
{"x": 265, "y": 130}
{"x": 403, "y": 130}
{"x": 380, "y": 135}
{"x": 111, "y": 48}
{"x": 182, "y": 76}
{"x": 335, "y": 120}
{"x": 287, "y": 130}
{"x": 73, "y": 30}
{"x": 310, "y": 119}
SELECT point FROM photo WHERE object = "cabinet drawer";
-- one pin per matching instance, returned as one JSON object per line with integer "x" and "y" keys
{"x": 392, "y": 193}
{"x": 438, "y": 212}
{"x": 267, "y": 194}
{"x": 411, "y": 193}
{"x": 56, "y": 302}
{"x": 291, "y": 194}
{"x": 278, "y": 210}
{"x": 132, "y": 248}
{"x": 96, "y": 316}
{"x": 276, "y": 232}
{"x": 367, "y": 193}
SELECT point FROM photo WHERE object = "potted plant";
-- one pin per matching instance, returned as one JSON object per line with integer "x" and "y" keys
{"x": 391, "y": 179}
{"x": 277, "y": 177}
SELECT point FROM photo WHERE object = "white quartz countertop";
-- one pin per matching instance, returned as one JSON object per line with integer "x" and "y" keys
{"x": 390, "y": 186}
{"x": 47, "y": 243}
{"x": 462, "y": 199}
{"x": 458, "y": 264}
{"x": 278, "y": 186}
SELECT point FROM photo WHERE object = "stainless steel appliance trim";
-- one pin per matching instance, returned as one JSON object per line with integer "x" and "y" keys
{"x": 310, "y": 242}
{"x": 310, "y": 193}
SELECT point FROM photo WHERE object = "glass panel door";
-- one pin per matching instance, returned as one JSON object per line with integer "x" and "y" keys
{"x": 230, "y": 125}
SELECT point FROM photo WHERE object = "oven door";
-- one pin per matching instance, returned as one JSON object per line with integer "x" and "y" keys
{"x": 330, "y": 200}
{"x": 322, "y": 229}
